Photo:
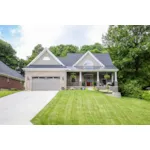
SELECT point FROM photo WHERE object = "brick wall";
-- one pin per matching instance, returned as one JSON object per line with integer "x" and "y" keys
{"x": 8, "y": 83}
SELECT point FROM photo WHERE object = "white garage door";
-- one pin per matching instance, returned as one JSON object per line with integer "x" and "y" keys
{"x": 45, "y": 83}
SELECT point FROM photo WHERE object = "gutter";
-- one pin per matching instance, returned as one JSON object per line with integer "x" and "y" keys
{"x": 68, "y": 69}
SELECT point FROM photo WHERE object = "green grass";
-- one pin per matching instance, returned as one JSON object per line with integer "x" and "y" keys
{"x": 76, "y": 107}
{"x": 5, "y": 93}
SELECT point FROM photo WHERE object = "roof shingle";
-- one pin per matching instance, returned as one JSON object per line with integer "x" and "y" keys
{"x": 5, "y": 70}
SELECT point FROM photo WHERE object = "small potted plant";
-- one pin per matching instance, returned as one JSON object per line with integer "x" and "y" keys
{"x": 73, "y": 76}
{"x": 83, "y": 84}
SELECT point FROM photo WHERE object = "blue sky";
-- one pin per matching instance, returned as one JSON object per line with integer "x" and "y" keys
{"x": 25, "y": 37}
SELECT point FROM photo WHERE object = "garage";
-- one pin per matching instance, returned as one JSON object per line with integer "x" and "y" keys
{"x": 45, "y": 83}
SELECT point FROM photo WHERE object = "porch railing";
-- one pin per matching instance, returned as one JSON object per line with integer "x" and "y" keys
{"x": 72, "y": 83}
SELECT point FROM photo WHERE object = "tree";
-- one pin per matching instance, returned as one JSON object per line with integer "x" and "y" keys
{"x": 129, "y": 48}
{"x": 62, "y": 50}
{"x": 8, "y": 55}
{"x": 95, "y": 48}
{"x": 21, "y": 64}
{"x": 37, "y": 49}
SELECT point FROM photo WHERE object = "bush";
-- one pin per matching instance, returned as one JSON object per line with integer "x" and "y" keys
{"x": 94, "y": 83}
{"x": 14, "y": 89}
{"x": 146, "y": 95}
{"x": 83, "y": 83}
{"x": 131, "y": 88}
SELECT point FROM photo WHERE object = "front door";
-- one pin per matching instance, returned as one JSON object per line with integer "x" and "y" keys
{"x": 88, "y": 83}
{"x": 88, "y": 79}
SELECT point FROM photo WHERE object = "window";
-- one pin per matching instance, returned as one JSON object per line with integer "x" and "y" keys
{"x": 41, "y": 77}
{"x": 34, "y": 77}
{"x": 56, "y": 77}
{"x": 88, "y": 64}
{"x": 46, "y": 58}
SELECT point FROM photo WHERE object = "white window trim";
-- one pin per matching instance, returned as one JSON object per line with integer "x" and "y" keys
{"x": 46, "y": 58}
{"x": 45, "y": 50}
{"x": 88, "y": 61}
{"x": 88, "y": 52}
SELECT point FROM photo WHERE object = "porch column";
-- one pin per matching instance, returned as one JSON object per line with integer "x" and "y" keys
{"x": 97, "y": 78}
{"x": 112, "y": 77}
{"x": 80, "y": 78}
{"x": 116, "y": 82}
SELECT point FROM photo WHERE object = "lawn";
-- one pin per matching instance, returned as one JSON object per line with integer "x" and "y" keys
{"x": 5, "y": 93}
{"x": 76, "y": 107}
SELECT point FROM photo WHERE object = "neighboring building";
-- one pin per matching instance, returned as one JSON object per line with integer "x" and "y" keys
{"x": 10, "y": 79}
{"x": 48, "y": 72}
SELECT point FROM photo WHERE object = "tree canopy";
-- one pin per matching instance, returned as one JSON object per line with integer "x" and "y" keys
{"x": 8, "y": 55}
{"x": 37, "y": 49}
{"x": 62, "y": 50}
{"x": 129, "y": 48}
{"x": 95, "y": 48}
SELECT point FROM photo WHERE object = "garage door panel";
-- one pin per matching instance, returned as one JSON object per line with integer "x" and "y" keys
{"x": 46, "y": 83}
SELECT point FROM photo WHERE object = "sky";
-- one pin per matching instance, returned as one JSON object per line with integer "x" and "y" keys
{"x": 24, "y": 38}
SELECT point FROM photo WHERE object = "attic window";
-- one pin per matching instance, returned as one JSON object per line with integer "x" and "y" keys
{"x": 46, "y": 58}
{"x": 88, "y": 64}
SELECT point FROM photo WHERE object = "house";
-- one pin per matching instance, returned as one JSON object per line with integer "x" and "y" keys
{"x": 48, "y": 72}
{"x": 9, "y": 78}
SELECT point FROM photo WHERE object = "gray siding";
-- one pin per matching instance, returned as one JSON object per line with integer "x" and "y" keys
{"x": 88, "y": 57}
{"x": 40, "y": 61}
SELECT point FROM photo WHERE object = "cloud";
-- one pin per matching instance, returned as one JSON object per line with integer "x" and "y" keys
{"x": 15, "y": 31}
{"x": 48, "y": 35}
{"x": 0, "y": 34}
{"x": 95, "y": 33}
{"x": 31, "y": 35}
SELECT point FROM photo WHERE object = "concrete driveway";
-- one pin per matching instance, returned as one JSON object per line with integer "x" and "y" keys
{"x": 21, "y": 107}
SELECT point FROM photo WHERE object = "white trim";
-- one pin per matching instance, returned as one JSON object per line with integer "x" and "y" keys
{"x": 100, "y": 70}
{"x": 88, "y": 52}
{"x": 80, "y": 76}
{"x": 112, "y": 77}
{"x": 44, "y": 69}
{"x": 69, "y": 70}
{"x": 97, "y": 76}
{"x": 54, "y": 57}
{"x": 38, "y": 56}
{"x": 115, "y": 76}
{"x": 5, "y": 75}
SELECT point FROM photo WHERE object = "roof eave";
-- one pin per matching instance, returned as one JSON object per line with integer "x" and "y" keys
{"x": 6, "y": 75}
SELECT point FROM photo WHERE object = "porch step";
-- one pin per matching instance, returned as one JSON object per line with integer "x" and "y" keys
{"x": 106, "y": 91}
{"x": 90, "y": 88}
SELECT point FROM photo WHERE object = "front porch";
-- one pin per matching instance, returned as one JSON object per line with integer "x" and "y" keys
{"x": 87, "y": 79}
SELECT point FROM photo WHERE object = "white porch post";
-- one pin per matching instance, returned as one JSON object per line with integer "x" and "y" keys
{"x": 97, "y": 78}
{"x": 80, "y": 78}
{"x": 112, "y": 77}
{"x": 115, "y": 76}
{"x": 116, "y": 82}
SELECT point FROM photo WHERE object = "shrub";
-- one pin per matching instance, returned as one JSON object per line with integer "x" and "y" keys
{"x": 83, "y": 83}
{"x": 146, "y": 95}
{"x": 14, "y": 89}
{"x": 131, "y": 88}
{"x": 94, "y": 83}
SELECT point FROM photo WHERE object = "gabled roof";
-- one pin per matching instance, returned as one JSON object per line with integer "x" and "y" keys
{"x": 50, "y": 53}
{"x": 88, "y": 52}
{"x": 71, "y": 58}
{"x": 6, "y": 71}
